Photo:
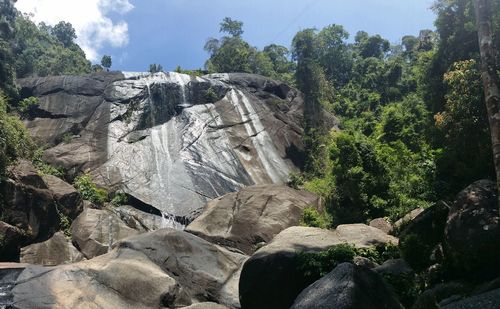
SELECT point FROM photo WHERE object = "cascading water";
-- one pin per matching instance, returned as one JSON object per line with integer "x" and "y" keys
{"x": 168, "y": 221}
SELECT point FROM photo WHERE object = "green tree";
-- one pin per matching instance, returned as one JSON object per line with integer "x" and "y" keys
{"x": 15, "y": 141}
{"x": 232, "y": 27}
{"x": 65, "y": 33}
{"x": 106, "y": 62}
{"x": 155, "y": 68}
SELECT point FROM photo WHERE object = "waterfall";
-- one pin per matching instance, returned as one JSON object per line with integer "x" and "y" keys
{"x": 182, "y": 80}
{"x": 168, "y": 221}
{"x": 272, "y": 162}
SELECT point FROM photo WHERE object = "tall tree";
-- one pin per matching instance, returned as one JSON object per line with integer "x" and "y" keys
{"x": 490, "y": 78}
{"x": 65, "y": 33}
{"x": 106, "y": 62}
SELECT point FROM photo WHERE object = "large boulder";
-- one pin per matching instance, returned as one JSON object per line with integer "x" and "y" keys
{"x": 96, "y": 230}
{"x": 33, "y": 207}
{"x": 206, "y": 271}
{"x": 9, "y": 272}
{"x": 271, "y": 277}
{"x": 55, "y": 251}
{"x": 421, "y": 236}
{"x": 487, "y": 300}
{"x": 165, "y": 268}
{"x": 120, "y": 279}
{"x": 472, "y": 234}
{"x": 68, "y": 200}
{"x": 251, "y": 216}
{"x": 348, "y": 286}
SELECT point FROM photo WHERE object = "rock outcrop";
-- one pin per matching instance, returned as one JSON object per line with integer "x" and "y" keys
{"x": 95, "y": 231}
{"x": 165, "y": 268}
{"x": 348, "y": 286}
{"x": 252, "y": 216}
{"x": 472, "y": 233}
{"x": 33, "y": 207}
{"x": 55, "y": 251}
{"x": 170, "y": 140}
{"x": 271, "y": 277}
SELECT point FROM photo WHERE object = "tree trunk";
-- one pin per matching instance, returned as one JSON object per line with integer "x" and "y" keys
{"x": 490, "y": 78}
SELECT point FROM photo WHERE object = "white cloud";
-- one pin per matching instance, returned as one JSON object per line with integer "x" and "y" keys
{"x": 89, "y": 18}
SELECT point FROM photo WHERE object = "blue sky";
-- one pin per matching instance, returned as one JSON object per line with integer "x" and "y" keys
{"x": 173, "y": 32}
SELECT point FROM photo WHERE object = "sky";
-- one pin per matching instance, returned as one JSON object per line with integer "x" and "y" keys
{"x": 137, "y": 33}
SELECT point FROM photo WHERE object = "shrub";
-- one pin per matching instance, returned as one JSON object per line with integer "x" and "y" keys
{"x": 315, "y": 265}
{"x": 89, "y": 190}
{"x": 120, "y": 198}
{"x": 313, "y": 218}
{"x": 44, "y": 168}
{"x": 26, "y": 104}
{"x": 15, "y": 141}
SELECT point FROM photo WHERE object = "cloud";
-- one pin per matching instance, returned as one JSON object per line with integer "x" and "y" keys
{"x": 89, "y": 18}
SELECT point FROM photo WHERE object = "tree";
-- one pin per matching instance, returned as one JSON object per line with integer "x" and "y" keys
{"x": 155, "y": 68}
{"x": 232, "y": 27}
{"x": 106, "y": 62}
{"x": 490, "y": 78}
{"x": 65, "y": 33}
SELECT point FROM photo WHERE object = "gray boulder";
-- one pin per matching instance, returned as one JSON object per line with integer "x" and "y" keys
{"x": 251, "y": 216}
{"x": 95, "y": 231}
{"x": 348, "y": 286}
{"x": 488, "y": 300}
{"x": 68, "y": 200}
{"x": 472, "y": 232}
{"x": 381, "y": 224}
{"x": 165, "y": 268}
{"x": 271, "y": 278}
{"x": 55, "y": 251}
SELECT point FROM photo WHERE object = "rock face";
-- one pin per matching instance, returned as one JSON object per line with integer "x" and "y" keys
{"x": 422, "y": 236}
{"x": 251, "y": 216}
{"x": 165, "y": 268}
{"x": 55, "y": 251}
{"x": 95, "y": 231}
{"x": 275, "y": 265}
{"x": 347, "y": 286}
{"x": 488, "y": 300}
{"x": 8, "y": 276}
{"x": 472, "y": 232}
{"x": 171, "y": 140}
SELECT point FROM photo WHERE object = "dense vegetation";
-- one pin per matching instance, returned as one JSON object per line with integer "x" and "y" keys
{"x": 413, "y": 118}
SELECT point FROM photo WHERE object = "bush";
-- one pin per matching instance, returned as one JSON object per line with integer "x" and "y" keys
{"x": 26, "y": 104}
{"x": 44, "y": 168}
{"x": 89, "y": 190}
{"x": 120, "y": 198}
{"x": 15, "y": 141}
{"x": 317, "y": 264}
{"x": 313, "y": 218}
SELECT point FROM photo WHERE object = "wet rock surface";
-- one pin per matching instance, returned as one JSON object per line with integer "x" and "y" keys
{"x": 171, "y": 140}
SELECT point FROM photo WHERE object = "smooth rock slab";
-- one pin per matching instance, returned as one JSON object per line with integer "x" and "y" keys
{"x": 165, "y": 268}
{"x": 95, "y": 231}
{"x": 120, "y": 279}
{"x": 271, "y": 278}
{"x": 348, "y": 286}
{"x": 251, "y": 216}
{"x": 55, "y": 251}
